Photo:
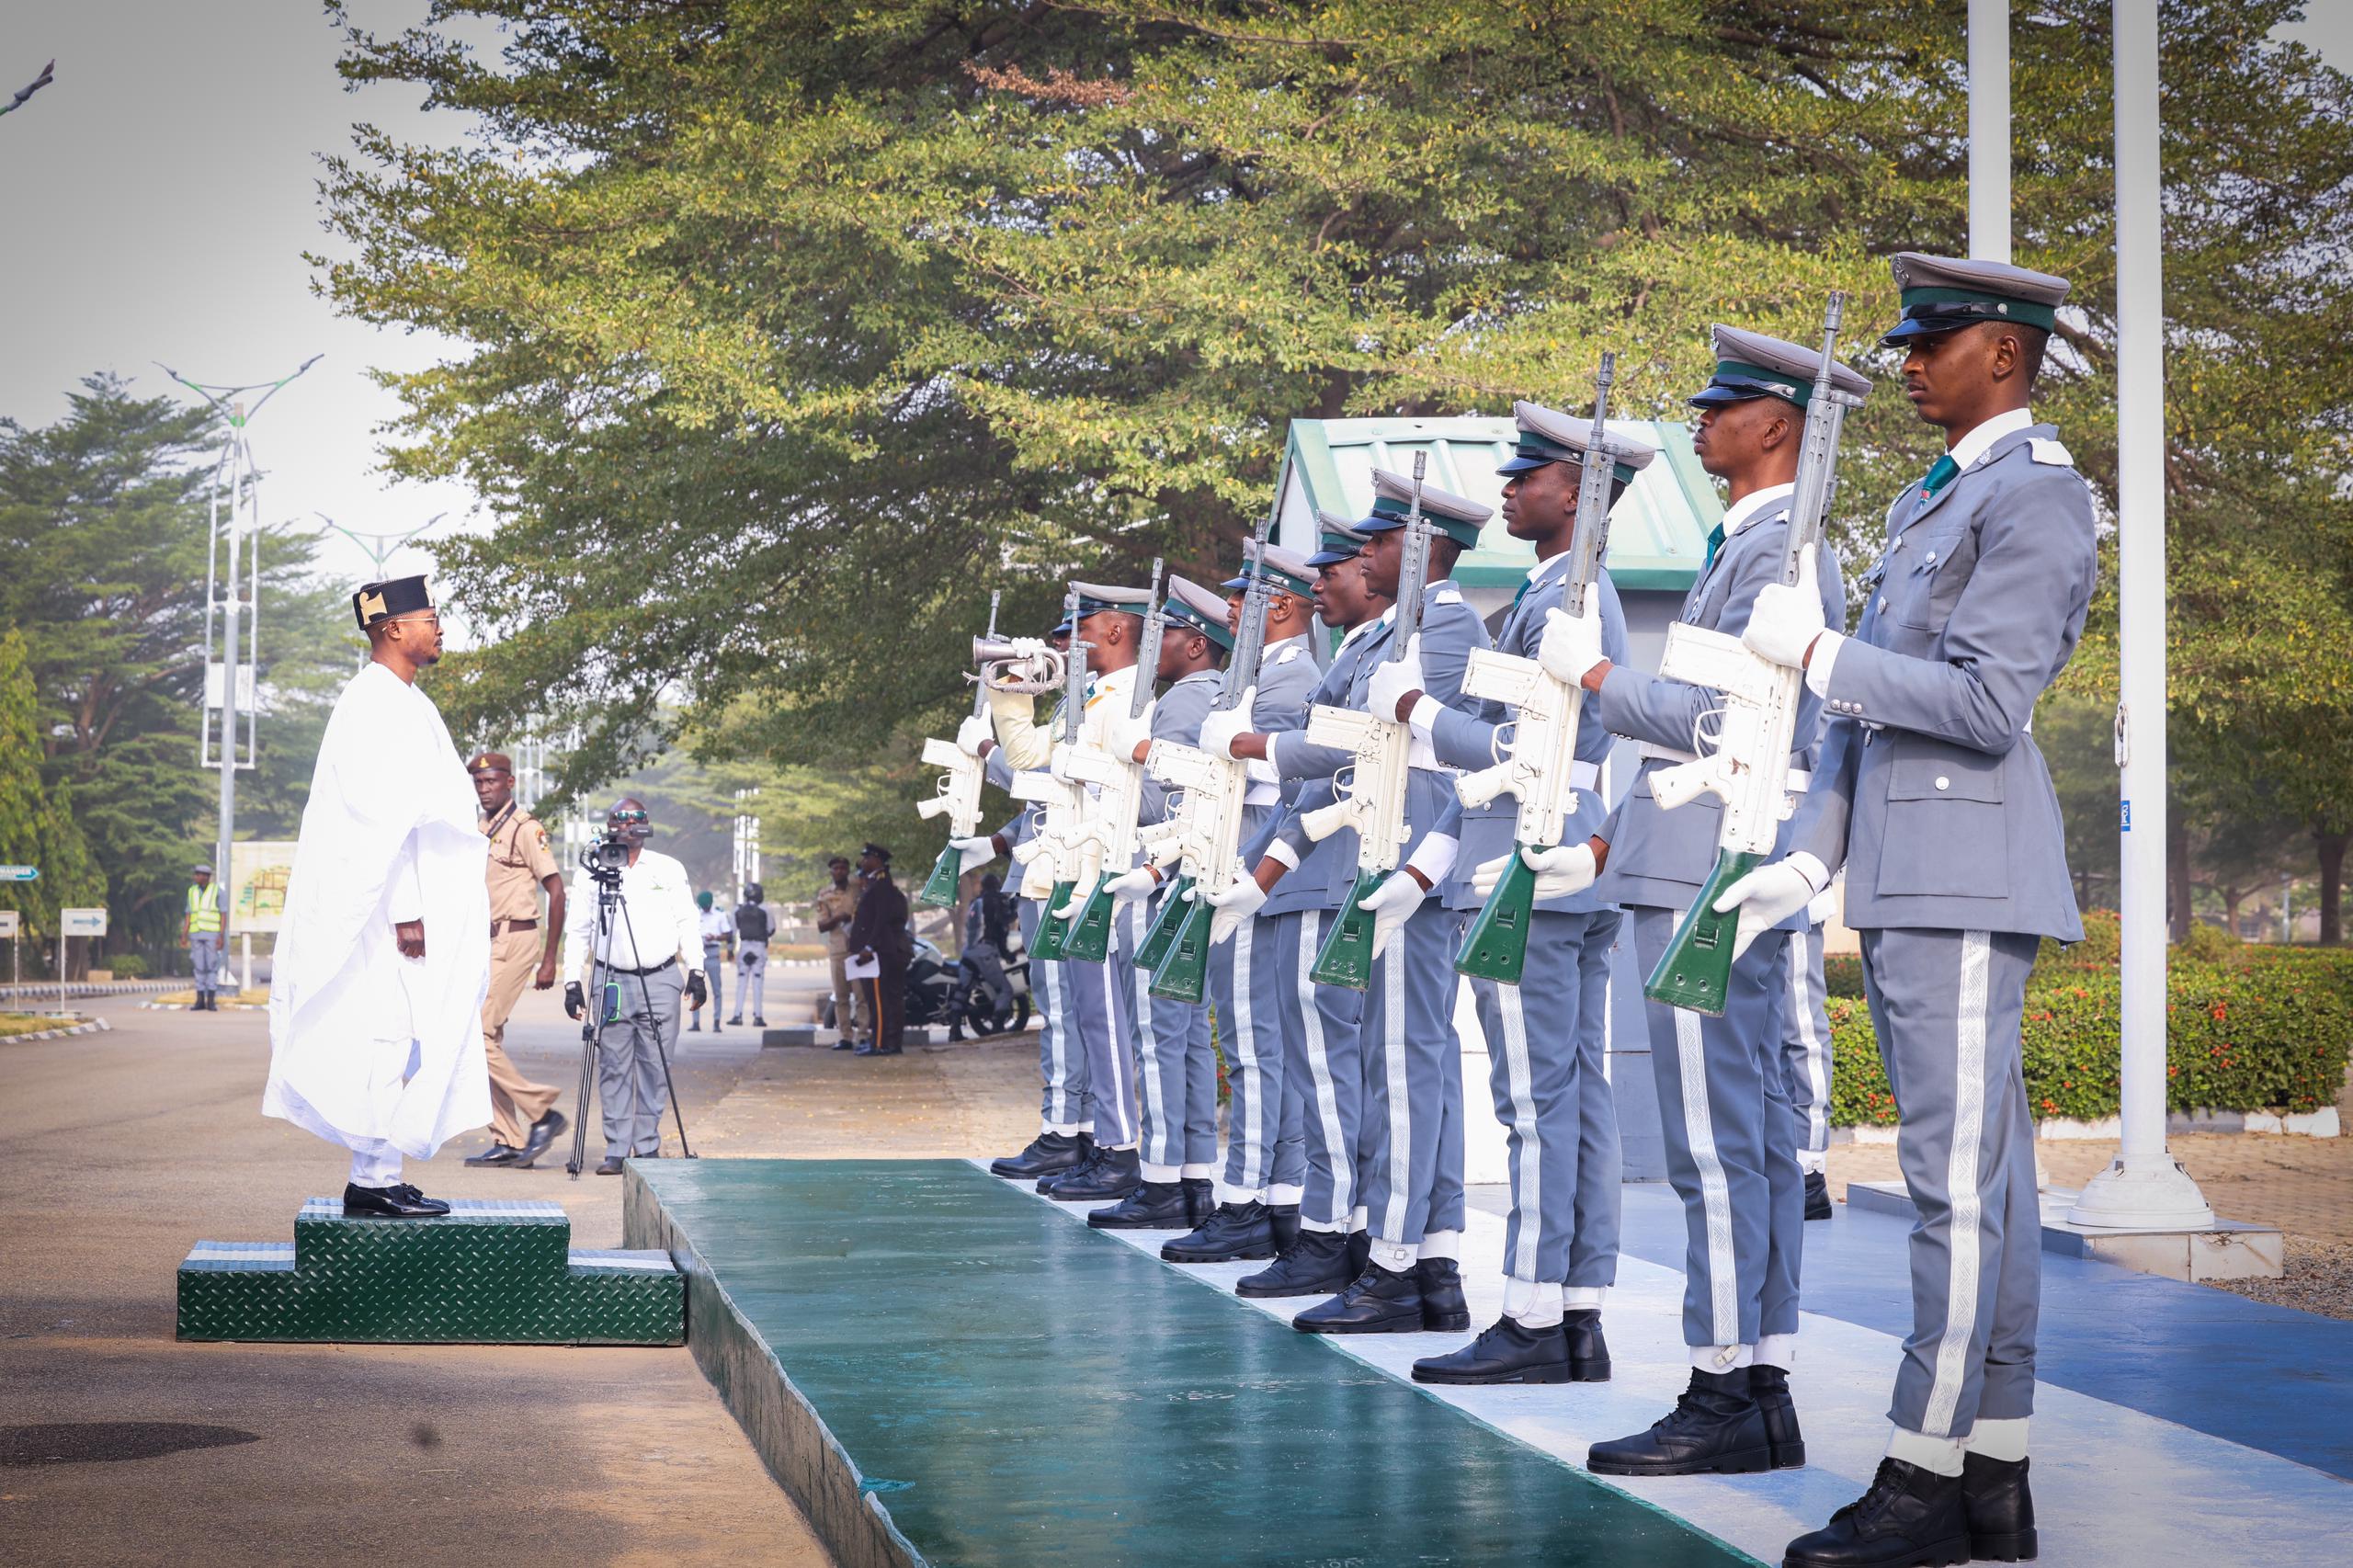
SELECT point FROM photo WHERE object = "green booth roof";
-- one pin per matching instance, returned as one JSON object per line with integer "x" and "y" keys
{"x": 1658, "y": 534}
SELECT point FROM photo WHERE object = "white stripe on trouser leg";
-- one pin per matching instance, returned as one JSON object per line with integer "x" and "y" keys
{"x": 1246, "y": 1047}
{"x": 1529, "y": 1199}
{"x": 1123, "y": 1113}
{"x": 1817, "y": 1110}
{"x": 1162, "y": 1151}
{"x": 1715, "y": 1197}
{"x": 1319, "y": 1068}
{"x": 1058, "y": 1080}
{"x": 1400, "y": 1119}
{"x": 1964, "y": 1238}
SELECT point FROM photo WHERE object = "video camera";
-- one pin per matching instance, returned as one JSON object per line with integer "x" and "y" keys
{"x": 606, "y": 859}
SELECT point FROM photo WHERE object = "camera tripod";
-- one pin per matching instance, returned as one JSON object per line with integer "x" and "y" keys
{"x": 604, "y": 999}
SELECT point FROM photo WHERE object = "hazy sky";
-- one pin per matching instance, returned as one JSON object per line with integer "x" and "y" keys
{"x": 157, "y": 200}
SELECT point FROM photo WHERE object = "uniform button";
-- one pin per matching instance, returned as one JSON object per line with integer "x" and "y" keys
{"x": 1932, "y": 558}
{"x": 1943, "y": 782}
{"x": 1882, "y": 604}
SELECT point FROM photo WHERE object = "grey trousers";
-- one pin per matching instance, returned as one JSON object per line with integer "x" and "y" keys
{"x": 1412, "y": 1070}
{"x": 1545, "y": 1048}
{"x": 714, "y": 960}
{"x": 1806, "y": 1045}
{"x": 1323, "y": 1071}
{"x": 1251, "y": 990}
{"x": 633, "y": 1091}
{"x": 204, "y": 958}
{"x": 1175, "y": 1067}
{"x": 1062, "y": 1063}
{"x": 1102, "y": 1022}
{"x": 751, "y": 978}
{"x": 1945, "y": 1006}
{"x": 1730, "y": 1138}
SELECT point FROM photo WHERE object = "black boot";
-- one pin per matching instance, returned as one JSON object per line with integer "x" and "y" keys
{"x": 1999, "y": 1508}
{"x": 1507, "y": 1353}
{"x": 1237, "y": 1231}
{"x": 1588, "y": 1352}
{"x": 1909, "y": 1517}
{"x": 1770, "y": 1387}
{"x": 1282, "y": 1223}
{"x": 1376, "y": 1301}
{"x": 1444, "y": 1308}
{"x": 1079, "y": 1172}
{"x": 1817, "y": 1196}
{"x": 1315, "y": 1264}
{"x": 1048, "y": 1154}
{"x": 1201, "y": 1200}
{"x": 1152, "y": 1205}
{"x": 1715, "y": 1428}
{"x": 1115, "y": 1173}
{"x": 1360, "y": 1252}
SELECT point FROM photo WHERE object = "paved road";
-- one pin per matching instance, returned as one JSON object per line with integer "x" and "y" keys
{"x": 118, "y": 1151}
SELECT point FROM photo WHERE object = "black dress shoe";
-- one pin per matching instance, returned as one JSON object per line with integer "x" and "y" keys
{"x": 1113, "y": 1176}
{"x": 1588, "y": 1352}
{"x": 1282, "y": 1223}
{"x": 1053, "y": 1179}
{"x": 1152, "y": 1205}
{"x": 544, "y": 1131}
{"x": 401, "y": 1202}
{"x": 1999, "y": 1508}
{"x": 1315, "y": 1264}
{"x": 1817, "y": 1196}
{"x": 1360, "y": 1252}
{"x": 695, "y": 1027}
{"x": 1714, "y": 1429}
{"x": 1506, "y": 1352}
{"x": 1048, "y": 1154}
{"x": 737, "y": 1020}
{"x": 845, "y": 1045}
{"x": 1910, "y": 1517}
{"x": 1236, "y": 1231}
{"x": 1376, "y": 1301}
{"x": 1444, "y": 1308}
{"x": 497, "y": 1155}
{"x": 1770, "y": 1387}
{"x": 1201, "y": 1200}
{"x": 758, "y": 1022}
{"x": 610, "y": 1166}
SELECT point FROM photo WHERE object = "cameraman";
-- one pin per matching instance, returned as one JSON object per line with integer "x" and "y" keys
{"x": 652, "y": 954}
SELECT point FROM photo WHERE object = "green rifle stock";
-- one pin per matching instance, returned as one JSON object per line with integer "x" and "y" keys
{"x": 1090, "y": 938}
{"x": 1052, "y": 930}
{"x": 1346, "y": 957}
{"x": 1496, "y": 946}
{"x": 1695, "y": 972}
{"x": 1184, "y": 974}
{"x": 1162, "y": 934}
{"x": 939, "y": 888}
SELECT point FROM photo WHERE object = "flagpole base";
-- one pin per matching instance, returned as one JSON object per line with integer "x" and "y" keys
{"x": 2145, "y": 1192}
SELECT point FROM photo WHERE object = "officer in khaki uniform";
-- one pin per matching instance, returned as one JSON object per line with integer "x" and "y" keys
{"x": 523, "y": 1118}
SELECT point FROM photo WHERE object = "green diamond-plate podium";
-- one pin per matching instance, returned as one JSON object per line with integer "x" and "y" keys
{"x": 486, "y": 1273}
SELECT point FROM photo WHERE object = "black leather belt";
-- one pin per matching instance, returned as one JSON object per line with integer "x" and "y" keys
{"x": 500, "y": 928}
{"x": 641, "y": 973}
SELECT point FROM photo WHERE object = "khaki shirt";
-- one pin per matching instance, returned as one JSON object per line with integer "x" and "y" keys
{"x": 838, "y": 903}
{"x": 520, "y": 862}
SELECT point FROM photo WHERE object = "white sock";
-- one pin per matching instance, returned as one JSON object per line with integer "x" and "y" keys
{"x": 1813, "y": 1161}
{"x": 1532, "y": 1304}
{"x": 1778, "y": 1350}
{"x": 1583, "y": 1297}
{"x": 1285, "y": 1193}
{"x": 1441, "y": 1244}
{"x": 1396, "y": 1256}
{"x": 1158, "y": 1173}
{"x": 1066, "y": 1129}
{"x": 1721, "y": 1358}
{"x": 1359, "y": 1217}
{"x": 1941, "y": 1455}
{"x": 2002, "y": 1438}
{"x": 1228, "y": 1193}
{"x": 1198, "y": 1171}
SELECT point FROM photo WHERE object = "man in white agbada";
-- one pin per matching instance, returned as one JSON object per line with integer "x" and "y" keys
{"x": 375, "y": 1005}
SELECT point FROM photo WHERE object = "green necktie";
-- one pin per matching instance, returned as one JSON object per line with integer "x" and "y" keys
{"x": 1715, "y": 543}
{"x": 1939, "y": 475}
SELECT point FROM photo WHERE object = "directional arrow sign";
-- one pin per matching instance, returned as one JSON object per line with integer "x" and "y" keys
{"x": 20, "y": 873}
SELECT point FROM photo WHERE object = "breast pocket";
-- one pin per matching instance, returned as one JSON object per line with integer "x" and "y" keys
{"x": 1928, "y": 584}
{"x": 1947, "y": 832}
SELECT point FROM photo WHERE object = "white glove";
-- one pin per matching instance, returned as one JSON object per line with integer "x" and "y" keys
{"x": 1391, "y": 905}
{"x": 1129, "y": 886}
{"x": 976, "y": 853}
{"x": 1566, "y": 868}
{"x": 1768, "y": 895}
{"x": 1783, "y": 621}
{"x": 1238, "y": 902}
{"x": 1123, "y": 734}
{"x": 1393, "y": 679}
{"x": 1219, "y": 728}
{"x": 969, "y": 735}
{"x": 1571, "y": 645}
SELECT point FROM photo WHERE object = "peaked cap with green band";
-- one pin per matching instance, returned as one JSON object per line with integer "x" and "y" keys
{"x": 1198, "y": 609}
{"x": 1393, "y": 499}
{"x": 1945, "y": 293}
{"x": 1094, "y": 598}
{"x": 1750, "y": 364}
{"x": 1287, "y": 570}
{"x": 1339, "y": 538}
{"x": 1548, "y": 435}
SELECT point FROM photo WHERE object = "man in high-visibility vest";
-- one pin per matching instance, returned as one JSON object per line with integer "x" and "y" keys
{"x": 204, "y": 928}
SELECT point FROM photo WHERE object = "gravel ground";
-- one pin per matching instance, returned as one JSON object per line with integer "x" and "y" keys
{"x": 2319, "y": 1280}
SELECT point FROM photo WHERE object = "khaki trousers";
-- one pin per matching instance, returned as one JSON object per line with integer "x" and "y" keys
{"x": 853, "y": 1012}
{"x": 516, "y": 1102}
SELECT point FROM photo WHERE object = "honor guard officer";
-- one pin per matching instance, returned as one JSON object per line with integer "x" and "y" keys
{"x": 523, "y": 1118}
{"x": 1177, "y": 1073}
{"x": 1805, "y": 1042}
{"x": 1257, "y": 1210}
{"x": 1323, "y": 1065}
{"x": 1412, "y": 1191}
{"x": 205, "y": 930}
{"x": 1545, "y": 1035}
{"x": 1933, "y": 795}
{"x": 1730, "y": 1133}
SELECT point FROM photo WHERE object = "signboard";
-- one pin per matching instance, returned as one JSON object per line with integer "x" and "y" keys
{"x": 245, "y": 687}
{"x": 82, "y": 922}
{"x": 20, "y": 873}
{"x": 7, "y": 922}
{"x": 258, "y": 870}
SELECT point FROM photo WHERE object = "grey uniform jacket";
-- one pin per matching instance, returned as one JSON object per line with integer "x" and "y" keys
{"x": 1464, "y": 737}
{"x": 997, "y": 770}
{"x": 1659, "y": 858}
{"x": 1177, "y": 717}
{"x": 1329, "y": 869}
{"x": 1931, "y": 790}
{"x": 1450, "y": 629}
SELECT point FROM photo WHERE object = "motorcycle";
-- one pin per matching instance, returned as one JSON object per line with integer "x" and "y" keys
{"x": 940, "y": 990}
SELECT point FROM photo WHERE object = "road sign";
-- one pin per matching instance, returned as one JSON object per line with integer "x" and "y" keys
{"x": 7, "y": 922}
{"x": 20, "y": 873}
{"x": 82, "y": 922}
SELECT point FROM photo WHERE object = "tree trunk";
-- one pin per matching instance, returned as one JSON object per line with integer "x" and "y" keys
{"x": 2231, "y": 898}
{"x": 2177, "y": 873}
{"x": 2332, "y": 879}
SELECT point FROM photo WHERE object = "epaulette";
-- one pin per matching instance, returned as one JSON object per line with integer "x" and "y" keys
{"x": 1286, "y": 655}
{"x": 2047, "y": 450}
{"x": 1446, "y": 596}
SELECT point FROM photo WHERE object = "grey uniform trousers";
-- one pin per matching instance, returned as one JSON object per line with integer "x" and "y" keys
{"x": 1554, "y": 1102}
{"x": 204, "y": 959}
{"x": 1253, "y": 991}
{"x": 1176, "y": 1066}
{"x": 1323, "y": 1071}
{"x": 1731, "y": 1137}
{"x": 1061, "y": 1063}
{"x": 1102, "y": 1023}
{"x": 752, "y": 979}
{"x": 1412, "y": 1071}
{"x": 633, "y": 1089}
{"x": 1945, "y": 1006}
{"x": 1806, "y": 1045}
